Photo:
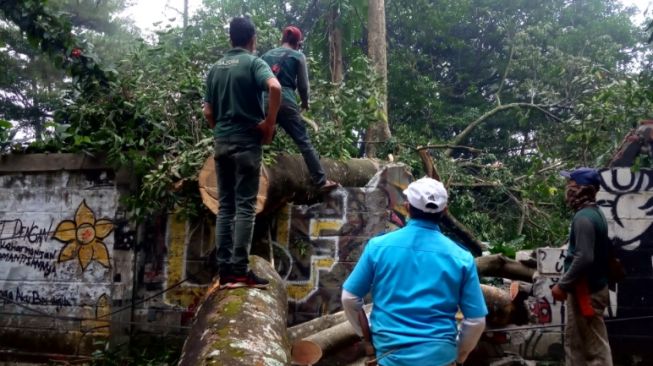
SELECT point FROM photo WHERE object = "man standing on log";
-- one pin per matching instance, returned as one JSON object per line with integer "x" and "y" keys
{"x": 585, "y": 282}
{"x": 233, "y": 107}
{"x": 419, "y": 279}
{"x": 289, "y": 66}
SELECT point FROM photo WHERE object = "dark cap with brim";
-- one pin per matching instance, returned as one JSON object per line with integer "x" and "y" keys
{"x": 583, "y": 176}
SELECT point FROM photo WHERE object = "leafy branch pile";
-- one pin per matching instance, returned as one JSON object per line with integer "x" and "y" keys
{"x": 527, "y": 88}
{"x": 145, "y": 115}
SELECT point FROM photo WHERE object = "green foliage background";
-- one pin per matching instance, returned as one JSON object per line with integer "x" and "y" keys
{"x": 576, "y": 76}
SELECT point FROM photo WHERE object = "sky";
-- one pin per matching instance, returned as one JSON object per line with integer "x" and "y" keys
{"x": 146, "y": 12}
{"x": 645, "y": 8}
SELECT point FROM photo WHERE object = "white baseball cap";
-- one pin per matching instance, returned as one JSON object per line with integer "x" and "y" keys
{"x": 427, "y": 194}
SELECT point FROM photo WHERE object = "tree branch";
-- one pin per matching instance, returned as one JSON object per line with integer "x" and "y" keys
{"x": 505, "y": 74}
{"x": 466, "y": 236}
{"x": 468, "y": 130}
{"x": 447, "y": 146}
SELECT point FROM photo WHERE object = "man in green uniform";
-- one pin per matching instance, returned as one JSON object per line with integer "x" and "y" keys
{"x": 289, "y": 65}
{"x": 233, "y": 107}
{"x": 585, "y": 281}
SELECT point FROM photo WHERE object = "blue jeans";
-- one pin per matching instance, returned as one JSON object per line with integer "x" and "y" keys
{"x": 291, "y": 121}
{"x": 237, "y": 166}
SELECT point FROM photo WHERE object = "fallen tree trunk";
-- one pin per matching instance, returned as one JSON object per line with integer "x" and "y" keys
{"x": 330, "y": 338}
{"x": 502, "y": 310}
{"x": 497, "y": 265}
{"x": 464, "y": 234}
{"x": 288, "y": 180}
{"x": 468, "y": 239}
{"x": 244, "y": 326}
{"x": 334, "y": 337}
{"x": 306, "y": 329}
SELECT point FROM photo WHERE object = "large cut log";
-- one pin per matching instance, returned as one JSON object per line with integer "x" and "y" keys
{"x": 288, "y": 180}
{"x": 303, "y": 330}
{"x": 332, "y": 338}
{"x": 241, "y": 327}
{"x": 497, "y": 265}
{"x": 502, "y": 310}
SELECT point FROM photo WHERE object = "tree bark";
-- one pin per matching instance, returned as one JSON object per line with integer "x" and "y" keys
{"x": 465, "y": 235}
{"x": 306, "y": 329}
{"x": 502, "y": 310}
{"x": 288, "y": 180}
{"x": 468, "y": 239}
{"x": 499, "y": 305}
{"x": 335, "y": 45}
{"x": 331, "y": 338}
{"x": 497, "y": 265}
{"x": 241, "y": 327}
{"x": 379, "y": 131}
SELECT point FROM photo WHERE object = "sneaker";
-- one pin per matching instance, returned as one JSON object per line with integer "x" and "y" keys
{"x": 248, "y": 280}
{"x": 226, "y": 281}
{"x": 329, "y": 186}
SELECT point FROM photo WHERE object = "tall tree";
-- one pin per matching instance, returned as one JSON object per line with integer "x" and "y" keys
{"x": 32, "y": 86}
{"x": 379, "y": 131}
{"x": 336, "y": 64}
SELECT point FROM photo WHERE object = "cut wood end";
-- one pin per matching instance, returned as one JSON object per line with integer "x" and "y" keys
{"x": 514, "y": 290}
{"x": 305, "y": 352}
{"x": 207, "y": 182}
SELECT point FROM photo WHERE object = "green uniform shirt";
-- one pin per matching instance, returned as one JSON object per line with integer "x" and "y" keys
{"x": 292, "y": 74}
{"x": 234, "y": 88}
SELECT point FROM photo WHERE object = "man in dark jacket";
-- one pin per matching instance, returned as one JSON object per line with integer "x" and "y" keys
{"x": 585, "y": 282}
{"x": 289, "y": 66}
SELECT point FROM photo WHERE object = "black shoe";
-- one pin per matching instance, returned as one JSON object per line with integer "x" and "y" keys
{"x": 248, "y": 280}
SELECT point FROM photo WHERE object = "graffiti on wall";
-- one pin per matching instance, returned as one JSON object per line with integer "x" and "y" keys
{"x": 31, "y": 253}
{"x": 83, "y": 238}
{"x": 324, "y": 242}
{"x": 314, "y": 247}
{"x": 57, "y": 260}
{"x": 20, "y": 244}
{"x": 626, "y": 201}
{"x": 182, "y": 292}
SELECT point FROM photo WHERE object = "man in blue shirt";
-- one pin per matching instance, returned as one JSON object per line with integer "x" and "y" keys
{"x": 419, "y": 279}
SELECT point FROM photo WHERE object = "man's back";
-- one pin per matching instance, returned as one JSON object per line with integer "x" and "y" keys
{"x": 234, "y": 88}
{"x": 418, "y": 278}
{"x": 289, "y": 63}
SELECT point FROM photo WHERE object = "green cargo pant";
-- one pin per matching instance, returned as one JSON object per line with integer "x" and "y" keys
{"x": 586, "y": 338}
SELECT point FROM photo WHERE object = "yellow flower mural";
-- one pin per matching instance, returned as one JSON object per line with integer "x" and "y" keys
{"x": 83, "y": 238}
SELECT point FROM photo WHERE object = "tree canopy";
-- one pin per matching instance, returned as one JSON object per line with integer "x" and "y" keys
{"x": 502, "y": 93}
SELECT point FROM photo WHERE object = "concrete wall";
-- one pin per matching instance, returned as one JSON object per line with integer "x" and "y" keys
{"x": 313, "y": 248}
{"x": 65, "y": 263}
{"x": 72, "y": 268}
